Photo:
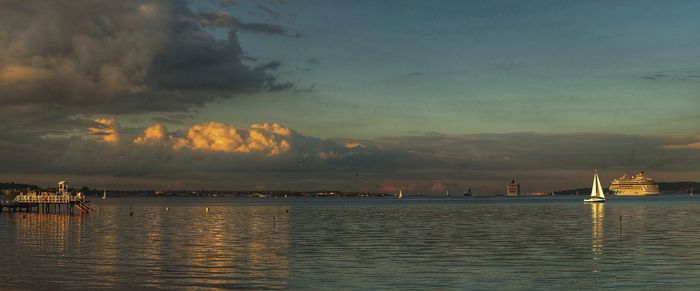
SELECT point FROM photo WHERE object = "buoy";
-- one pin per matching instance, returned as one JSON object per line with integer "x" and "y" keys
{"x": 166, "y": 208}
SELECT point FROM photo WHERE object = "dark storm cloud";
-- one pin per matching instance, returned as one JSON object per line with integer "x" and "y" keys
{"x": 224, "y": 19}
{"x": 174, "y": 118}
{"x": 525, "y": 151}
{"x": 680, "y": 76}
{"x": 544, "y": 161}
{"x": 260, "y": 27}
{"x": 118, "y": 57}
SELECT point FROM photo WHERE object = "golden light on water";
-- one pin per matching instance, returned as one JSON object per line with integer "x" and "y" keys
{"x": 597, "y": 219}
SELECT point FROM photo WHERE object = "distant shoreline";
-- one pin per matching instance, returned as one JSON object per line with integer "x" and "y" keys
{"x": 12, "y": 189}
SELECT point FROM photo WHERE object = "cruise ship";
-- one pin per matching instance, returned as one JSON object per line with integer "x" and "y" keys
{"x": 637, "y": 185}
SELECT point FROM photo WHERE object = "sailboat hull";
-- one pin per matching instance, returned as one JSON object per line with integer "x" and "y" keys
{"x": 594, "y": 200}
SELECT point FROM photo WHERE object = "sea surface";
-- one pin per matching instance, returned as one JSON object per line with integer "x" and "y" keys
{"x": 650, "y": 243}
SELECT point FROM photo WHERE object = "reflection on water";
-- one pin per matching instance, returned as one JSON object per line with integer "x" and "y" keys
{"x": 186, "y": 246}
{"x": 597, "y": 216}
{"x": 531, "y": 243}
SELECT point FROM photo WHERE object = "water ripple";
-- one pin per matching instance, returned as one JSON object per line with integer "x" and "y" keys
{"x": 357, "y": 244}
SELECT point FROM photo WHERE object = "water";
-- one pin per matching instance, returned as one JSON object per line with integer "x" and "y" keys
{"x": 371, "y": 243}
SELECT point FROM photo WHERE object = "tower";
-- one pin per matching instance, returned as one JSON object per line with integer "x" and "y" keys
{"x": 513, "y": 188}
{"x": 62, "y": 187}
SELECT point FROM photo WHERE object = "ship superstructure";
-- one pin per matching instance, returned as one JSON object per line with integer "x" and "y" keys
{"x": 637, "y": 185}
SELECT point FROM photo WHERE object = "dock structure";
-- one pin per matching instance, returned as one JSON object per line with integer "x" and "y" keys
{"x": 46, "y": 202}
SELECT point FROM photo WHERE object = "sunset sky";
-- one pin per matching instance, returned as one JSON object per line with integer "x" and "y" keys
{"x": 424, "y": 96}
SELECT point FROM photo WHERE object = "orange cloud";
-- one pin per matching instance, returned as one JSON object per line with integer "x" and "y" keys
{"x": 107, "y": 130}
{"x": 153, "y": 134}
{"x": 147, "y": 8}
{"x": 393, "y": 186}
{"x": 437, "y": 186}
{"x": 693, "y": 146}
{"x": 271, "y": 139}
{"x": 354, "y": 145}
{"x": 17, "y": 74}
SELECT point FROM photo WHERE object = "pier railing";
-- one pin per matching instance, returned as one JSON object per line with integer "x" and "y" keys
{"x": 45, "y": 199}
{"x": 48, "y": 204}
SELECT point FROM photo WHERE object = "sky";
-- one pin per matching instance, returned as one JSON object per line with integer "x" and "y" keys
{"x": 424, "y": 96}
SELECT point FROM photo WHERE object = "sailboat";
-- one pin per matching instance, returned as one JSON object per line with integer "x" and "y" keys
{"x": 400, "y": 196}
{"x": 104, "y": 195}
{"x": 597, "y": 194}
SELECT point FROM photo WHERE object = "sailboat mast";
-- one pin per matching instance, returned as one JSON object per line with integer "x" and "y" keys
{"x": 594, "y": 188}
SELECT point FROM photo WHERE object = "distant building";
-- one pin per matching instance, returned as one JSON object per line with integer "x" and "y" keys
{"x": 513, "y": 189}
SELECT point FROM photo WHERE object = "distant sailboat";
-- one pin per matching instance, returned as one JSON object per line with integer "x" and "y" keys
{"x": 447, "y": 192}
{"x": 597, "y": 194}
{"x": 104, "y": 195}
{"x": 400, "y": 196}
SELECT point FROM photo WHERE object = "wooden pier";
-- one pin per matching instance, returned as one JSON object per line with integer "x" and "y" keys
{"x": 61, "y": 201}
{"x": 48, "y": 204}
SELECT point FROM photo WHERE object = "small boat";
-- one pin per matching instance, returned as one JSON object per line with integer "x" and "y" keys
{"x": 400, "y": 196}
{"x": 597, "y": 194}
{"x": 104, "y": 195}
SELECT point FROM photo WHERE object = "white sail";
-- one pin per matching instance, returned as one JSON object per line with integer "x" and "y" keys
{"x": 400, "y": 194}
{"x": 597, "y": 194}
{"x": 104, "y": 194}
{"x": 601, "y": 194}
{"x": 597, "y": 189}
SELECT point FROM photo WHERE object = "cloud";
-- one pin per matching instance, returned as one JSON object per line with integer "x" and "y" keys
{"x": 677, "y": 76}
{"x": 224, "y": 19}
{"x": 437, "y": 186}
{"x": 394, "y": 186}
{"x": 98, "y": 57}
{"x": 174, "y": 118}
{"x": 542, "y": 161}
{"x": 260, "y": 27}
{"x": 107, "y": 130}
{"x": 693, "y": 146}
{"x": 244, "y": 157}
{"x": 153, "y": 134}
{"x": 269, "y": 139}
